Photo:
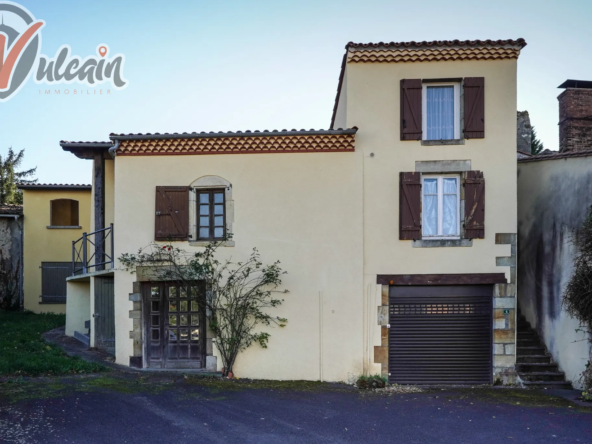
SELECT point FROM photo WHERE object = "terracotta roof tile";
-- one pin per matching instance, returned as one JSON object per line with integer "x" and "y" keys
{"x": 556, "y": 155}
{"x": 238, "y": 145}
{"x": 432, "y": 55}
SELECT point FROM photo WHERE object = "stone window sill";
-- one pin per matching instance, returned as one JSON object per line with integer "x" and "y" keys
{"x": 442, "y": 243}
{"x": 443, "y": 142}
{"x": 64, "y": 227}
{"x": 206, "y": 243}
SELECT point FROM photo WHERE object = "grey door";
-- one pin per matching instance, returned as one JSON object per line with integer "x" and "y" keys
{"x": 440, "y": 334}
{"x": 105, "y": 314}
{"x": 174, "y": 323}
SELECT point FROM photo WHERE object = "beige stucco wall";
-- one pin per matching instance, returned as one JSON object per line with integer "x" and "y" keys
{"x": 332, "y": 218}
{"x": 42, "y": 244}
{"x": 554, "y": 197}
{"x": 302, "y": 209}
{"x": 77, "y": 307}
{"x": 373, "y": 106}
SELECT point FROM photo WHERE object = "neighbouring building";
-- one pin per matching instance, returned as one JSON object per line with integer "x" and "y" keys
{"x": 554, "y": 197}
{"x": 55, "y": 215}
{"x": 400, "y": 260}
{"x": 11, "y": 255}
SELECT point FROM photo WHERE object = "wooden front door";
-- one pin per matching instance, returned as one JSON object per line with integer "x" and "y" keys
{"x": 174, "y": 325}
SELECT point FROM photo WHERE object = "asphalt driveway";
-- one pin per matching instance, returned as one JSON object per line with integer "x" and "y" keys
{"x": 174, "y": 409}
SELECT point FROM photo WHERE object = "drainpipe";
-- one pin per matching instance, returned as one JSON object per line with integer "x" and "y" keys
{"x": 113, "y": 149}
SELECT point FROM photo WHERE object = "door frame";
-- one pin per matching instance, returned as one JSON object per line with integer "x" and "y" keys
{"x": 99, "y": 315}
{"x": 146, "y": 288}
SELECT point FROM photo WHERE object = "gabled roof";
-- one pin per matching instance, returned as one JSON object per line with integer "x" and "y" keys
{"x": 556, "y": 155}
{"x": 54, "y": 186}
{"x": 432, "y": 51}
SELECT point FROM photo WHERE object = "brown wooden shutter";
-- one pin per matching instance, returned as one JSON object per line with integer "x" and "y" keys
{"x": 411, "y": 109}
{"x": 410, "y": 206}
{"x": 474, "y": 205}
{"x": 172, "y": 214}
{"x": 474, "y": 91}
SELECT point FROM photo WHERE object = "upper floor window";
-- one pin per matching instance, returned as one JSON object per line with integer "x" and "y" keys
{"x": 64, "y": 213}
{"x": 199, "y": 213}
{"x": 211, "y": 214}
{"x": 441, "y": 111}
{"x": 441, "y": 206}
{"x": 431, "y": 110}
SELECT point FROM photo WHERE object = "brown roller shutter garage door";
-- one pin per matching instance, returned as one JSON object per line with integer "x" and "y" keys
{"x": 440, "y": 334}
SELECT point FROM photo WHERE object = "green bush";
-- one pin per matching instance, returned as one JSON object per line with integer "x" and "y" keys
{"x": 371, "y": 382}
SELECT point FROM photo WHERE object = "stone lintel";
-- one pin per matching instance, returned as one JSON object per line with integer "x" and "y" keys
{"x": 383, "y": 315}
{"x": 380, "y": 354}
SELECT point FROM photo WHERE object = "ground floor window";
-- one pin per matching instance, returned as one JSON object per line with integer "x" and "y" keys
{"x": 53, "y": 281}
{"x": 441, "y": 206}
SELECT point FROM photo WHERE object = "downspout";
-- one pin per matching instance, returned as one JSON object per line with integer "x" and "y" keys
{"x": 113, "y": 149}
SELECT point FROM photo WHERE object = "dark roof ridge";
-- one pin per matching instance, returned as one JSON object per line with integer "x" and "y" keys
{"x": 518, "y": 42}
{"x": 256, "y": 133}
{"x": 64, "y": 186}
{"x": 557, "y": 155}
{"x": 81, "y": 144}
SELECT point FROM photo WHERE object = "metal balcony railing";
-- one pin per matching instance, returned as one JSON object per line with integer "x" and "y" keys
{"x": 85, "y": 259}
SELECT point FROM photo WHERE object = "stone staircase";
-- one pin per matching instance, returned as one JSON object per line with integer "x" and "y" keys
{"x": 534, "y": 364}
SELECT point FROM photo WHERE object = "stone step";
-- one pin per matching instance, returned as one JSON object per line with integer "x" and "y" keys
{"x": 548, "y": 384}
{"x": 536, "y": 367}
{"x": 537, "y": 359}
{"x": 526, "y": 351}
{"x": 542, "y": 376}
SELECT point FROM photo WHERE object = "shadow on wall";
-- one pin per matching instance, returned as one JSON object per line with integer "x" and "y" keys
{"x": 546, "y": 252}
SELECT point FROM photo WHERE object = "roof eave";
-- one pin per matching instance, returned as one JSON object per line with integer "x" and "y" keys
{"x": 86, "y": 150}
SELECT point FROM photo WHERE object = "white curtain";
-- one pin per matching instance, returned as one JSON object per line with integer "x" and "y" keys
{"x": 450, "y": 210}
{"x": 440, "y": 112}
{"x": 430, "y": 207}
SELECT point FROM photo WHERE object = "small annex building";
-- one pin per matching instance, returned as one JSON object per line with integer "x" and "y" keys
{"x": 54, "y": 216}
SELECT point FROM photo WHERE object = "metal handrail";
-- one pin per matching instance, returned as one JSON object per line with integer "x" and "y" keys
{"x": 99, "y": 257}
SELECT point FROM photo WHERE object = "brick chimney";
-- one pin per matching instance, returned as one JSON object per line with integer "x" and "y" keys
{"x": 575, "y": 116}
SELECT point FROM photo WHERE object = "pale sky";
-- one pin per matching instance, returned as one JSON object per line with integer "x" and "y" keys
{"x": 248, "y": 65}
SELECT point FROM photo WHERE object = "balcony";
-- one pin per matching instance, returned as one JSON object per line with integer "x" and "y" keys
{"x": 93, "y": 252}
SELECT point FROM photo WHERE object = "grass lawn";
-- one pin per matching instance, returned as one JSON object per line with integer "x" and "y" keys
{"x": 24, "y": 353}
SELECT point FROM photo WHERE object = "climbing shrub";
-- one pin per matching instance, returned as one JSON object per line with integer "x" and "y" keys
{"x": 239, "y": 295}
{"x": 577, "y": 298}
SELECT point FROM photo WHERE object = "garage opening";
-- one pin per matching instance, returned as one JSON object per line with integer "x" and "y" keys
{"x": 440, "y": 334}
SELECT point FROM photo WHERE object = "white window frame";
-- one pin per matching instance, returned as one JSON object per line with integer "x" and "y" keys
{"x": 424, "y": 109}
{"x": 440, "y": 178}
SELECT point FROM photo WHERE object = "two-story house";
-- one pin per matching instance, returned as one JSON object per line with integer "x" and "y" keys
{"x": 400, "y": 260}
{"x": 55, "y": 215}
